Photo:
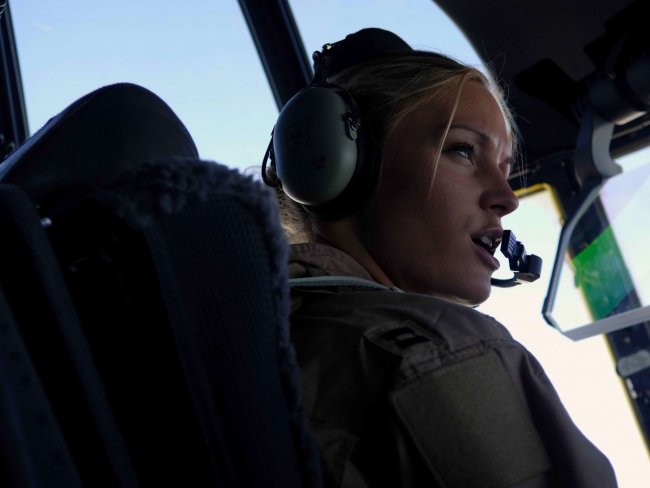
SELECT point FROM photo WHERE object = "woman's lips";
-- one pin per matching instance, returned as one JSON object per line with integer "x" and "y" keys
{"x": 486, "y": 257}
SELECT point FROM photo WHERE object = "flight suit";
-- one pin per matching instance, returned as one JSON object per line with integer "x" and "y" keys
{"x": 406, "y": 390}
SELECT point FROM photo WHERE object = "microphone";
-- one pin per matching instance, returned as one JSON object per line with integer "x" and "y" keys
{"x": 526, "y": 267}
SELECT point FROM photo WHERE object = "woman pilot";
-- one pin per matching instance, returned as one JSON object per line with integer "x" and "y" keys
{"x": 392, "y": 175}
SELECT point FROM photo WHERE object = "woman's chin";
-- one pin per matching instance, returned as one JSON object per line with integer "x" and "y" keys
{"x": 470, "y": 289}
{"x": 470, "y": 296}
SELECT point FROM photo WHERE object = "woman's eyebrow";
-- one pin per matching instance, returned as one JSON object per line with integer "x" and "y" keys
{"x": 482, "y": 135}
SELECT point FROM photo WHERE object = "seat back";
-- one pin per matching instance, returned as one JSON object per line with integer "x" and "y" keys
{"x": 181, "y": 267}
{"x": 169, "y": 361}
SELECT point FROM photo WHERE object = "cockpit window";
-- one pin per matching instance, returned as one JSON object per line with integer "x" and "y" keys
{"x": 197, "y": 56}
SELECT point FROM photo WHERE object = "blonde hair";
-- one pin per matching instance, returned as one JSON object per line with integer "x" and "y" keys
{"x": 388, "y": 90}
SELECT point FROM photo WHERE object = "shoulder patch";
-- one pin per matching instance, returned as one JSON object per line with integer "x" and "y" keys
{"x": 470, "y": 425}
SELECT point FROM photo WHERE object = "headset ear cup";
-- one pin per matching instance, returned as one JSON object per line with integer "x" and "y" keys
{"x": 315, "y": 152}
{"x": 320, "y": 151}
{"x": 361, "y": 186}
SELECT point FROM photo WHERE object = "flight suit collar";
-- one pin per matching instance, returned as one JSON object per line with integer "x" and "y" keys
{"x": 316, "y": 259}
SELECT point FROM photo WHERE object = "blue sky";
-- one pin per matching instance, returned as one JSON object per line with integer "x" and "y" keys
{"x": 199, "y": 57}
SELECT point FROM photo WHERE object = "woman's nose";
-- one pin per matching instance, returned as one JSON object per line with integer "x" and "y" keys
{"x": 498, "y": 197}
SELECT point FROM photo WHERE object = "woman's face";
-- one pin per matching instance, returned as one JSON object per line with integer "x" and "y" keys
{"x": 429, "y": 243}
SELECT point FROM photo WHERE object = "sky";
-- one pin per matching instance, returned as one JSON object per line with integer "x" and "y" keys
{"x": 199, "y": 57}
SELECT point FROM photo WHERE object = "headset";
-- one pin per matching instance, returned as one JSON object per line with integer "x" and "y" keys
{"x": 322, "y": 153}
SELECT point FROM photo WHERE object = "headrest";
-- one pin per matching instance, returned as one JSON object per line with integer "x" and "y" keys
{"x": 94, "y": 140}
{"x": 363, "y": 46}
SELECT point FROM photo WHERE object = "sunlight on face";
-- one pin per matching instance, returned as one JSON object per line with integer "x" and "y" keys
{"x": 429, "y": 243}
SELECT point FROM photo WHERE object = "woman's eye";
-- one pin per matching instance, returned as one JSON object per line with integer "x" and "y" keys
{"x": 463, "y": 150}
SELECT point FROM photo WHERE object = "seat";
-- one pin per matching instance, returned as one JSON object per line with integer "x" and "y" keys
{"x": 177, "y": 273}
{"x": 58, "y": 425}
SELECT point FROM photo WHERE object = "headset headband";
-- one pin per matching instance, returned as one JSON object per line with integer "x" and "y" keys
{"x": 360, "y": 47}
